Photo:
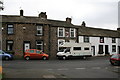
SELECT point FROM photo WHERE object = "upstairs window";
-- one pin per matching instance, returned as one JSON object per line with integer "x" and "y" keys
{"x": 86, "y": 39}
{"x": 113, "y": 40}
{"x": 9, "y": 45}
{"x": 61, "y": 32}
{"x": 72, "y": 32}
{"x": 101, "y": 39}
{"x": 10, "y": 29}
{"x": 39, "y": 30}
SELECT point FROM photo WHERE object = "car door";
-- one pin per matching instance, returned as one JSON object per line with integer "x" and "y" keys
{"x": 32, "y": 54}
{"x": 1, "y": 55}
{"x": 39, "y": 54}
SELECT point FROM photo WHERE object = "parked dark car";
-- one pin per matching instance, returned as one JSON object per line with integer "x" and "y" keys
{"x": 5, "y": 56}
{"x": 115, "y": 59}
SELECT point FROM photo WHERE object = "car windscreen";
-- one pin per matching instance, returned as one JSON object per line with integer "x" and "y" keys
{"x": 67, "y": 50}
{"x": 62, "y": 49}
{"x": 115, "y": 56}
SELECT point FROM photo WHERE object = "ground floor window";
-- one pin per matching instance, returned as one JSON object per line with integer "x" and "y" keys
{"x": 60, "y": 43}
{"x": 100, "y": 49}
{"x": 113, "y": 48}
{"x": 9, "y": 45}
{"x": 39, "y": 45}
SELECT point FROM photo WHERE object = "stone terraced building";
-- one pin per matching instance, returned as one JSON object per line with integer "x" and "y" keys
{"x": 21, "y": 32}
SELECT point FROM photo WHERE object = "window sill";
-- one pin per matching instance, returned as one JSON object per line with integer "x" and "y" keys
{"x": 61, "y": 36}
{"x": 10, "y": 34}
{"x": 39, "y": 35}
{"x": 73, "y": 37}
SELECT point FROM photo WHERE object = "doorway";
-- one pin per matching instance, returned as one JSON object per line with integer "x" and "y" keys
{"x": 106, "y": 50}
{"x": 26, "y": 45}
{"x": 100, "y": 49}
{"x": 93, "y": 50}
{"x": 118, "y": 49}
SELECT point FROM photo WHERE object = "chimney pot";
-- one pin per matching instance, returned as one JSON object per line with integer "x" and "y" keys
{"x": 68, "y": 20}
{"x": 118, "y": 28}
{"x": 21, "y": 12}
{"x": 43, "y": 15}
{"x": 83, "y": 24}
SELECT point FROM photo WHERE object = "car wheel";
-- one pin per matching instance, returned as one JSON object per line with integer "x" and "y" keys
{"x": 64, "y": 58}
{"x": 6, "y": 58}
{"x": 111, "y": 62}
{"x": 27, "y": 58}
{"x": 115, "y": 63}
{"x": 44, "y": 58}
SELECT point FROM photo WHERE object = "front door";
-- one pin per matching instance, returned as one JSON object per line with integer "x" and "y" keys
{"x": 100, "y": 49}
{"x": 93, "y": 50}
{"x": 118, "y": 49}
{"x": 26, "y": 45}
{"x": 106, "y": 50}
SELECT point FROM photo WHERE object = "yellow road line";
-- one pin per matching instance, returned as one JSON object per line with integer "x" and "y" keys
{"x": 0, "y": 69}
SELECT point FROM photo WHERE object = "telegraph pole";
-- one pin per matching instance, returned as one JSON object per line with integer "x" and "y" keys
{"x": 1, "y": 5}
{"x": 1, "y": 8}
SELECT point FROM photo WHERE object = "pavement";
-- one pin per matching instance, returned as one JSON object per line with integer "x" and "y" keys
{"x": 0, "y": 72}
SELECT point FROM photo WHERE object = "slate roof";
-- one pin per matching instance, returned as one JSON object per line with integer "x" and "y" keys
{"x": 97, "y": 32}
{"x": 29, "y": 19}
{"x": 23, "y": 19}
{"x": 58, "y": 23}
{"x": 88, "y": 31}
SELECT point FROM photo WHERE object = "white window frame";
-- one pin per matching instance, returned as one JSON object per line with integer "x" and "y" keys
{"x": 86, "y": 39}
{"x": 113, "y": 40}
{"x": 39, "y": 44}
{"x": 114, "y": 47}
{"x": 40, "y": 28}
{"x": 10, "y": 29}
{"x": 10, "y": 44}
{"x": 102, "y": 39}
{"x": 63, "y": 32}
{"x": 72, "y": 30}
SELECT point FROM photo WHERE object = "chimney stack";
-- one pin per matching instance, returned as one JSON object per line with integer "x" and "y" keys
{"x": 43, "y": 15}
{"x": 68, "y": 20}
{"x": 83, "y": 24}
{"x": 21, "y": 12}
{"x": 118, "y": 29}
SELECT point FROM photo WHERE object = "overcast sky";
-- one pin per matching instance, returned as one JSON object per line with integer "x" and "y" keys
{"x": 96, "y": 13}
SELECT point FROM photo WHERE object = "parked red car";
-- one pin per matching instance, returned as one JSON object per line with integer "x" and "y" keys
{"x": 35, "y": 54}
{"x": 115, "y": 59}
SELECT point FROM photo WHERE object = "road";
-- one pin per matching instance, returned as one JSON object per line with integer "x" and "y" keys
{"x": 94, "y": 67}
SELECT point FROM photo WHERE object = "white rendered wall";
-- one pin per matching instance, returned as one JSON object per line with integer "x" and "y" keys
{"x": 95, "y": 41}
{"x": 119, "y": 41}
